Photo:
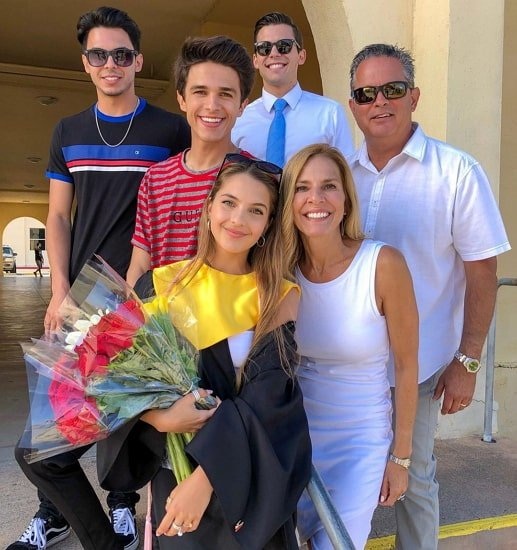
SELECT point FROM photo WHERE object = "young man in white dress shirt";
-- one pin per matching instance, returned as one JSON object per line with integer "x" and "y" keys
{"x": 434, "y": 203}
{"x": 309, "y": 118}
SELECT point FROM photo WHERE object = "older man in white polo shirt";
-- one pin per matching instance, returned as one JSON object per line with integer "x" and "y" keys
{"x": 434, "y": 203}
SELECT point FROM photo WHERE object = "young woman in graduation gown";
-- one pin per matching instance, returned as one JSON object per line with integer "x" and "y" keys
{"x": 251, "y": 455}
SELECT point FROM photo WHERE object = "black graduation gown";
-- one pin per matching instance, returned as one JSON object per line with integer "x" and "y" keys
{"x": 255, "y": 450}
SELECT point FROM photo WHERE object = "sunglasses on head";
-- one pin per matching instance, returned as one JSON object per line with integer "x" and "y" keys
{"x": 262, "y": 165}
{"x": 390, "y": 90}
{"x": 283, "y": 46}
{"x": 122, "y": 57}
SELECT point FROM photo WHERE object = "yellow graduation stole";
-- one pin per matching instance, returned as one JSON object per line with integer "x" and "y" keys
{"x": 211, "y": 306}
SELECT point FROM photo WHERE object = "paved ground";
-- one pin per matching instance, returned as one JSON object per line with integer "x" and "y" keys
{"x": 478, "y": 480}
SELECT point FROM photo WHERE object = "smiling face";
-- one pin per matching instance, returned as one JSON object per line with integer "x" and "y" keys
{"x": 211, "y": 101}
{"x": 239, "y": 215}
{"x": 110, "y": 79}
{"x": 384, "y": 121}
{"x": 319, "y": 198}
{"x": 279, "y": 72}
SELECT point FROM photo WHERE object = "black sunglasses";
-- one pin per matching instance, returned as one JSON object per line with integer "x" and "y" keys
{"x": 122, "y": 57}
{"x": 264, "y": 166}
{"x": 283, "y": 46}
{"x": 390, "y": 90}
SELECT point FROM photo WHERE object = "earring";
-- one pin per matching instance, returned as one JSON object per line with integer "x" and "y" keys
{"x": 342, "y": 229}
{"x": 208, "y": 223}
{"x": 261, "y": 241}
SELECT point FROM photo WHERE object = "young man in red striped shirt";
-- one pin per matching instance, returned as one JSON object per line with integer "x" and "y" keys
{"x": 214, "y": 77}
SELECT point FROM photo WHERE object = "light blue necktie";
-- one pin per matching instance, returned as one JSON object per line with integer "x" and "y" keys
{"x": 275, "y": 151}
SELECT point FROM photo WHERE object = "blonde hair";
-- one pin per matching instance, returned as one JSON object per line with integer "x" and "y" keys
{"x": 351, "y": 224}
{"x": 267, "y": 261}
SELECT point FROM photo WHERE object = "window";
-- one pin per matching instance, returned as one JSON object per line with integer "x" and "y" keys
{"x": 37, "y": 235}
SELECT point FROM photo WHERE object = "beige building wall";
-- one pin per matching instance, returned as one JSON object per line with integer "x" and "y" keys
{"x": 507, "y": 304}
{"x": 506, "y": 342}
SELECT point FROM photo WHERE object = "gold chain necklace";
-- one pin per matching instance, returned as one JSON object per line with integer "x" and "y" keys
{"x": 128, "y": 128}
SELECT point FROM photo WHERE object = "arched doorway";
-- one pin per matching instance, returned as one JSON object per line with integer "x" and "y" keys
{"x": 19, "y": 240}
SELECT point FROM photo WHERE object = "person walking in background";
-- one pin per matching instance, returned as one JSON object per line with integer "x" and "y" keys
{"x": 357, "y": 307}
{"x": 252, "y": 454}
{"x": 434, "y": 203}
{"x": 213, "y": 77}
{"x": 286, "y": 118}
{"x": 97, "y": 160}
{"x": 38, "y": 257}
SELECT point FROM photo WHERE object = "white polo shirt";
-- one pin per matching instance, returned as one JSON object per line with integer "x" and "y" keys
{"x": 434, "y": 203}
{"x": 309, "y": 118}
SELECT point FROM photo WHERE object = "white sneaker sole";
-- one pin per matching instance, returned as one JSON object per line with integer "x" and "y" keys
{"x": 134, "y": 544}
{"x": 59, "y": 538}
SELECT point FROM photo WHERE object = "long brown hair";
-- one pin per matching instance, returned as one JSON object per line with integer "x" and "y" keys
{"x": 267, "y": 261}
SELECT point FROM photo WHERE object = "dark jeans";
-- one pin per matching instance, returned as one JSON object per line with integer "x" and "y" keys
{"x": 64, "y": 489}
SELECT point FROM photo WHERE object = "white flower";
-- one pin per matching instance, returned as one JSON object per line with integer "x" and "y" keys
{"x": 82, "y": 325}
{"x": 74, "y": 339}
{"x": 94, "y": 319}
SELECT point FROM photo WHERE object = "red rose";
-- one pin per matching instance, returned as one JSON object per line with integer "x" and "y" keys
{"x": 112, "y": 342}
{"x": 90, "y": 360}
{"x": 113, "y": 333}
{"x": 76, "y": 416}
{"x": 127, "y": 319}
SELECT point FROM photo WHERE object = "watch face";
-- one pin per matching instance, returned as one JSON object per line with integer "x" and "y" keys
{"x": 472, "y": 366}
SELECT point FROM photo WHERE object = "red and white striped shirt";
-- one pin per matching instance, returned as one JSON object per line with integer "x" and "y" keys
{"x": 170, "y": 200}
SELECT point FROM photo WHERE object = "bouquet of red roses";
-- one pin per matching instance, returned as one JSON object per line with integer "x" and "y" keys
{"x": 109, "y": 362}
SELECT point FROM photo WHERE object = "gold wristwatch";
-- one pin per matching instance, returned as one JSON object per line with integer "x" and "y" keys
{"x": 472, "y": 365}
{"x": 404, "y": 462}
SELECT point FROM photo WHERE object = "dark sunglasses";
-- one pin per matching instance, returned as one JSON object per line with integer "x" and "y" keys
{"x": 283, "y": 46}
{"x": 390, "y": 90}
{"x": 262, "y": 165}
{"x": 122, "y": 57}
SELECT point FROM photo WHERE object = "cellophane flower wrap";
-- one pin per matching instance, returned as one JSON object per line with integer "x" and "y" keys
{"x": 109, "y": 362}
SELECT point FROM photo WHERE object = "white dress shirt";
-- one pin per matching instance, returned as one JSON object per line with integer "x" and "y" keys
{"x": 310, "y": 118}
{"x": 434, "y": 203}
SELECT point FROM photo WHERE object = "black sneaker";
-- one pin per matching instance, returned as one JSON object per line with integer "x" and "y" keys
{"x": 42, "y": 533}
{"x": 123, "y": 521}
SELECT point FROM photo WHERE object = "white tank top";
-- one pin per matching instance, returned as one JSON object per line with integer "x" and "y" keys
{"x": 344, "y": 344}
{"x": 339, "y": 329}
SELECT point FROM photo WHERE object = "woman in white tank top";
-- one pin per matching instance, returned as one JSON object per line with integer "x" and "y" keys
{"x": 357, "y": 306}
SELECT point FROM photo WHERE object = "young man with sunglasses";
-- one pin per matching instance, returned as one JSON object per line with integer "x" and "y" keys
{"x": 434, "y": 203}
{"x": 213, "y": 77}
{"x": 309, "y": 118}
{"x": 97, "y": 160}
